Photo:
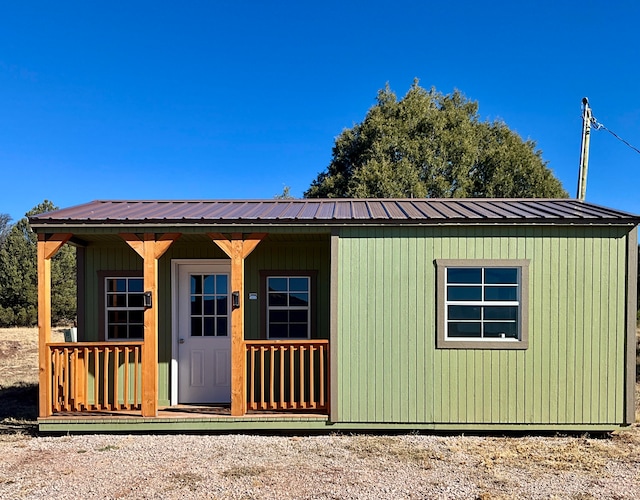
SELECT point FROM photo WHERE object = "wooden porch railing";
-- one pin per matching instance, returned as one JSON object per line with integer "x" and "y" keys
{"x": 107, "y": 376}
{"x": 95, "y": 376}
{"x": 286, "y": 375}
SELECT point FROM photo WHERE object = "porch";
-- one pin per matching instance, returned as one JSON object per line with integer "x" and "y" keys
{"x": 112, "y": 380}
{"x": 104, "y": 380}
{"x": 184, "y": 418}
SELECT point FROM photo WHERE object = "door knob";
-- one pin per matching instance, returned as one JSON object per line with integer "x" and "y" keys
{"x": 181, "y": 341}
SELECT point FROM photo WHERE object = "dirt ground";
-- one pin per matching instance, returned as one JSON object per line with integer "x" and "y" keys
{"x": 331, "y": 466}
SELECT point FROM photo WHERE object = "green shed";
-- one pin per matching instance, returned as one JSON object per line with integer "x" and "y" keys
{"x": 336, "y": 314}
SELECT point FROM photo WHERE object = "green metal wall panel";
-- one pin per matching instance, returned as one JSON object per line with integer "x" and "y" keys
{"x": 389, "y": 370}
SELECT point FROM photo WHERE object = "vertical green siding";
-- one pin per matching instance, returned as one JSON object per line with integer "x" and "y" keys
{"x": 389, "y": 370}
{"x": 103, "y": 258}
{"x": 310, "y": 254}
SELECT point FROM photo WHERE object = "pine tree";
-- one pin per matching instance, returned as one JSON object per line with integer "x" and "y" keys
{"x": 428, "y": 144}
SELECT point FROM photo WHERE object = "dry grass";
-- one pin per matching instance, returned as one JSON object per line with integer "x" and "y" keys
{"x": 245, "y": 471}
{"x": 542, "y": 454}
{"x": 19, "y": 355}
{"x": 19, "y": 380}
{"x": 539, "y": 455}
{"x": 374, "y": 446}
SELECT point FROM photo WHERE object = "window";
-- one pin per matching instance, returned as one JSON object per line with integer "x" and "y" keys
{"x": 209, "y": 302}
{"x": 124, "y": 307}
{"x": 482, "y": 304}
{"x": 288, "y": 307}
{"x": 288, "y": 302}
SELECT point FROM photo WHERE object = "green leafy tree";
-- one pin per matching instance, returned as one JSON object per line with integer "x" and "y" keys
{"x": 19, "y": 276}
{"x": 428, "y": 144}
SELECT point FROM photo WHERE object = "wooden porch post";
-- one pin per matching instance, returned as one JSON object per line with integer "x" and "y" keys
{"x": 150, "y": 249}
{"x": 238, "y": 249}
{"x": 48, "y": 246}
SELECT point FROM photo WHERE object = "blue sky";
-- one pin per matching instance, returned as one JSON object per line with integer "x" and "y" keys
{"x": 236, "y": 99}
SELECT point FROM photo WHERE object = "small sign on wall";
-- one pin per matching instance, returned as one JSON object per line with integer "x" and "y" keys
{"x": 253, "y": 296}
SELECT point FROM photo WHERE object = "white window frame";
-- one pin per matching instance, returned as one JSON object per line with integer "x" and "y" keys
{"x": 215, "y": 315}
{"x": 307, "y": 308}
{"x": 126, "y": 308}
{"x": 522, "y": 302}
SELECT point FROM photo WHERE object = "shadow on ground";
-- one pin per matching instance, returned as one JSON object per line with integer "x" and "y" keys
{"x": 19, "y": 409}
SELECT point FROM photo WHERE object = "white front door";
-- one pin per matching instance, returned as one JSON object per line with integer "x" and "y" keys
{"x": 203, "y": 322}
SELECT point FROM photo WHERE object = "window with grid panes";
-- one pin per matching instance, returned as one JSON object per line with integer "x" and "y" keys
{"x": 125, "y": 308}
{"x": 288, "y": 307}
{"x": 482, "y": 303}
{"x": 209, "y": 302}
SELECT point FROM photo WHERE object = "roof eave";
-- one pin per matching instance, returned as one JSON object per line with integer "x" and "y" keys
{"x": 48, "y": 224}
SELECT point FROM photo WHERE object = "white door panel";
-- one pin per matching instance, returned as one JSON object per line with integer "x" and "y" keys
{"x": 222, "y": 368}
{"x": 197, "y": 368}
{"x": 204, "y": 355}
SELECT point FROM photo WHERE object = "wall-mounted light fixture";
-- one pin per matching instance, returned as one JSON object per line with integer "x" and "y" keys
{"x": 147, "y": 300}
{"x": 235, "y": 300}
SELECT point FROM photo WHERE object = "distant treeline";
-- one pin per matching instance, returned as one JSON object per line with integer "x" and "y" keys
{"x": 19, "y": 274}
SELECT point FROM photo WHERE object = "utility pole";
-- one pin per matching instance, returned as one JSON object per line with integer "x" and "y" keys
{"x": 584, "y": 149}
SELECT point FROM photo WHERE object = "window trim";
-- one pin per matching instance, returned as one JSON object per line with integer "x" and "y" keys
{"x": 522, "y": 342}
{"x": 312, "y": 275}
{"x": 102, "y": 297}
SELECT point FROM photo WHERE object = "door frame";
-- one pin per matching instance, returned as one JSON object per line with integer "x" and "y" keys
{"x": 175, "y": 279}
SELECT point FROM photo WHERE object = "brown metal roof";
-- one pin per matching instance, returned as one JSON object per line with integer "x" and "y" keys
{"x": 334, "y": 212}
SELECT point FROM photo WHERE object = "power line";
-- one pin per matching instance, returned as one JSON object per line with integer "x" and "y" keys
{"x": 599, "y": 126}
{"x": 587, "y": 121}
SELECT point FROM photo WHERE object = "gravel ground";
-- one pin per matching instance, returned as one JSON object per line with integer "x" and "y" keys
{"x": 333, "y": 466}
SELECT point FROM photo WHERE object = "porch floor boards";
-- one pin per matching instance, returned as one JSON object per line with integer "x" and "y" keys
{"x": 186, "y": 412}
